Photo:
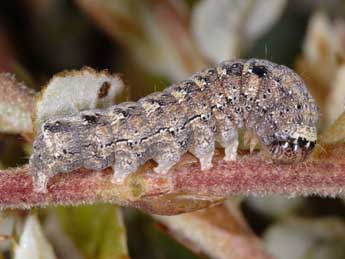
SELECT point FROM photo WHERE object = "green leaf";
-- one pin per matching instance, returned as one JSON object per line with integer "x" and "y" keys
{"x": 98, "y": 231}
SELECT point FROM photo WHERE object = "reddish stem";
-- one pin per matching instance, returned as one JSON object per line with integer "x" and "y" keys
{"x": 185, "y": 187}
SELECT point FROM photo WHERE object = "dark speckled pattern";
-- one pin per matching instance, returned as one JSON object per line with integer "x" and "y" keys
{"x": 268, "y": 99}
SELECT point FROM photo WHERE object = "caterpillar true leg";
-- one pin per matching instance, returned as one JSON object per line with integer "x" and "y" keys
{"x": 251, "y": 139}
{"x": 231, "y": 150}
{"x": 227, "y": 137}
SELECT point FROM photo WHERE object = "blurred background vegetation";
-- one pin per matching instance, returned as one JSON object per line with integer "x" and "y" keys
{"x": 153, "y": 43}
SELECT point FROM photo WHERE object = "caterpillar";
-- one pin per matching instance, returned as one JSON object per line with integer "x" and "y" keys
{"x": 269, "y": 100}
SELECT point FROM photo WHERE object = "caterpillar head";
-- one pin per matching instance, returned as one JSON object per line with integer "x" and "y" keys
{"x": 288, "y": 114}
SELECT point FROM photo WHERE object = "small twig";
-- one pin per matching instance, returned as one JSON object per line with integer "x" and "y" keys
{"x": 185, "y": 188}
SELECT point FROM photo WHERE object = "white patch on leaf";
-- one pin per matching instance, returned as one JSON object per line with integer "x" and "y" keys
{"x": 301, "y": 238}
{"x": 320, "y": 48}
{"x": 263, "y": 14}
{"x": 336, "y": 101}
{"x": 223, "y": 28}
{"x": 324, "y": 56}
{"x": 16, "y": 102}
{"x": 74, "y": 91}
{"x": 33, "y": 244}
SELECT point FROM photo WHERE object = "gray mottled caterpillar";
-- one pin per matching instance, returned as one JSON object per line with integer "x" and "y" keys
{"x": 269, "y": 100}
